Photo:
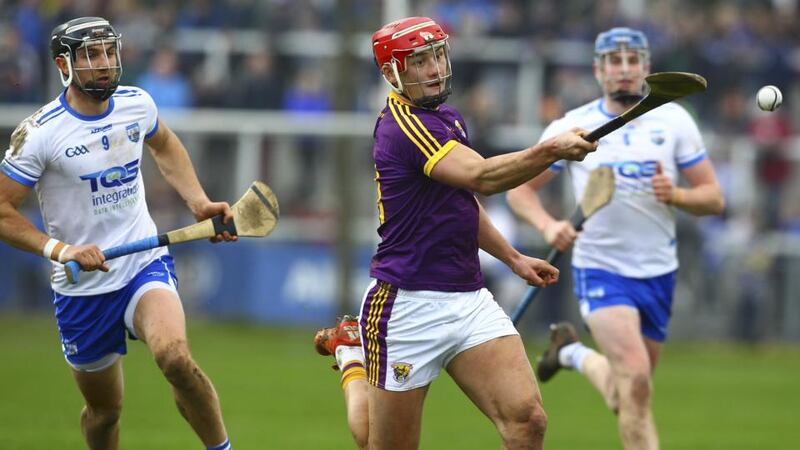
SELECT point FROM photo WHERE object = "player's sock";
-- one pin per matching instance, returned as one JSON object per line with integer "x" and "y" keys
{"x": 224, "y": 446}
{"x": 572, "y": 355}
{"x": 351, "y": 362}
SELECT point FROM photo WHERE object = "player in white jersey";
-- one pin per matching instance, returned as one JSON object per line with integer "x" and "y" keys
{"x": 82, "y": 154}
{"x": 624, "y": 260}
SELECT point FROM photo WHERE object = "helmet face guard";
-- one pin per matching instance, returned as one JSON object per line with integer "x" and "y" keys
{"x": 91, "y": 49}
{"x": 412, "y": 47}
{"x": 437, "y": 54}
{"x": 617, "y": 51}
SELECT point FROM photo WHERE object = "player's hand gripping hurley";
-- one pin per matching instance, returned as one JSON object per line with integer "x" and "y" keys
{"x": 254, "y": 215}
{"x": 598, "y": 192}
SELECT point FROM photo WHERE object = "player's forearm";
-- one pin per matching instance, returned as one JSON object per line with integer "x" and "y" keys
{"x": 504, "y": 172}
{"x": 699, "y": 200}
{"x": 492, "y": 242}
{"x": 527, "y": 206}
{"x": 19, "y": 232}
{"x": 175, "y": 165}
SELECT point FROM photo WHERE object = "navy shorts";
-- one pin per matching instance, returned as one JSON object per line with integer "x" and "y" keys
{"x": 94, "y": 326}
{"x": 652, "y": 297}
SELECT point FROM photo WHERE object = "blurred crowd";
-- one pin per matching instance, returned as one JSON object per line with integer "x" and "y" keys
{"x": 255, "y": 54}
{"x": 737, "y": 45}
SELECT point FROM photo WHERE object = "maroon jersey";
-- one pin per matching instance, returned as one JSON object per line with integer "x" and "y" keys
{"x": 428, "y": 230}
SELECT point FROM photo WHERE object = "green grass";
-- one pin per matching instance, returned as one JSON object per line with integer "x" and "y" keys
{"x": 278, "y": 394}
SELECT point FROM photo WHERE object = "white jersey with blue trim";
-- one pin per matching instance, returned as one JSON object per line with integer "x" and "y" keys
{"x": 86, "y": 173}
{"x": 634, "y": 235}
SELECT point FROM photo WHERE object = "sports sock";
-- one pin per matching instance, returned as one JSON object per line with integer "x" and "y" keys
{"x": 351, "y": 362}
{"x": 224, "y": 446}
{"x": 573, "y": 355}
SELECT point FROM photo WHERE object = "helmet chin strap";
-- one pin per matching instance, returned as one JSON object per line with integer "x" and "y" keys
{"x": 432, "y": 101}
{"x": 626, "y": 98}
{"x": 399, "y": 88}
{"x": 68, "y": 80}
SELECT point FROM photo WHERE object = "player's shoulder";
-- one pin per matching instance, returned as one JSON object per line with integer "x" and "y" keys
{"x": 41, "y": 123}
{"x": 675, "y": 110}
{"x": 129, "y": 91}
{"x": 587, "y": 111}
{"x": 447, "y": 110}
{"x": 386, "y": 121}
{"x": 47, "y": 114}
{"x": 36, "y": 127}
{"x": 131, "y": 94}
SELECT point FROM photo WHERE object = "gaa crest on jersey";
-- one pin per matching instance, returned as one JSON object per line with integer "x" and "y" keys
{"x": 657, "y": 137}
{"x": 461, "y": 129}
{"x": 133, "y": 132}
{"x": 401, "y": 371}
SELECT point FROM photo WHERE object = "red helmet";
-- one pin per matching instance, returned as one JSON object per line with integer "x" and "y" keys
{"x": 400, "y": 38}
{"x": 396, "y": 41}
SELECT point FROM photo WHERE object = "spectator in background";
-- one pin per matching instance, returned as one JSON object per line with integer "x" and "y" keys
{"x": 771, "y": 133}
{"x": 202, "y": 14}
{"x": 19, "y": 70}
{"x": 168, "y": 87}
{"x": 256, "y": 85}
{"x": 30, "y": 24}
{"x": 307, "y": 95}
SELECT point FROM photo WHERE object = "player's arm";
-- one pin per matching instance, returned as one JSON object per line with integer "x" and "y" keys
{"x": 535, "y": 271}
{"x": 465, "y": 168}
{"x": 702, "y": 197}
{"x": 524, "y": 200}
{"x": 175, "y": 165}
{"x": 19, "y": 232}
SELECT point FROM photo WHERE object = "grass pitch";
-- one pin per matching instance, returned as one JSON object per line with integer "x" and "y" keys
{"x": 278, "y": 394}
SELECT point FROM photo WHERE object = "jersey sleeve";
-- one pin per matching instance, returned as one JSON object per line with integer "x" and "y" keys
{"x": 690, "y": 148}
{"x": 151, "y": 115}
{"x": 425, "y": 140}
{"x": 26, "y": 157}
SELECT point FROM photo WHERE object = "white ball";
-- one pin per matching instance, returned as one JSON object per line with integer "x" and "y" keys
{"x": 769, "y": 98}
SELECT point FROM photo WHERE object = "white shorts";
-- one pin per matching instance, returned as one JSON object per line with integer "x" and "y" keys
{"x": 417, "y": 333}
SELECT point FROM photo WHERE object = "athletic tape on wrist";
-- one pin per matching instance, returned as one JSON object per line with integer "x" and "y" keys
{"x": 47, "y": 252}
{"x": 61, "y": 254}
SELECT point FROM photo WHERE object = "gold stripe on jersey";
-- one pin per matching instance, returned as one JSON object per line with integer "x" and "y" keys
{"x": 422, "y": 127}
{"x": 381, "y": 217}
{"x": 393, "y": 107}
{"x": 411, "y": 122}
{"x": 438, "y": 156}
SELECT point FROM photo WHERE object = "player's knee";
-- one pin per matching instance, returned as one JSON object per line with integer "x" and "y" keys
{"x": 526, "y": 423}
{"x": 640, "y": 390}
{"x": 175, "y": 363}
{"x": 104, "y": 417}
{"x": 537, "y": 424}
